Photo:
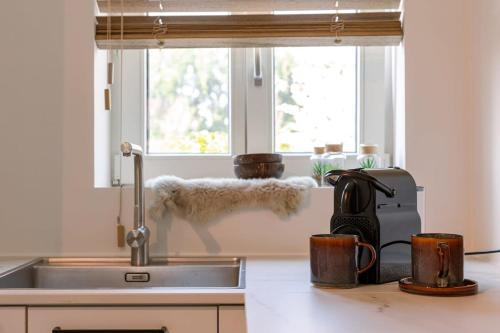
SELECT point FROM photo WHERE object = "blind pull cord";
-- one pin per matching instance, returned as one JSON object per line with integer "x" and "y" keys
{"x": 337, "y": 24}
{"x": 160, "y": 27}
{"x": 110, "y": 54}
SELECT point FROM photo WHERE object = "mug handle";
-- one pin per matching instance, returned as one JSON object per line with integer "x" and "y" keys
{"x": 372, "y": 259}
{"x": 444, "y": 264}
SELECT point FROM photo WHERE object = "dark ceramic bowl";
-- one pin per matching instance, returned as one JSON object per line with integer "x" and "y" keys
{"x": 257, "y": 158}
{"x": 259, "y": 170}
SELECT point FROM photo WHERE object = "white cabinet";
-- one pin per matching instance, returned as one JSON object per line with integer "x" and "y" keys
{"x": 12, "y": 320}
{"x": 232, "y": 319}
{"x": 188, "y": 319}
{"x": 177, "y": 319}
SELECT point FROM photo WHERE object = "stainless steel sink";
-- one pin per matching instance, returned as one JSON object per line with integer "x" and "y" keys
{"x": 117, "y": 273}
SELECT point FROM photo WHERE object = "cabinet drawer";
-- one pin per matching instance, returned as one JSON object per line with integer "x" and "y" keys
{"x": 12, "y": 320}
{"x": 232, "y": 319}
{"x": 180, "y": 319}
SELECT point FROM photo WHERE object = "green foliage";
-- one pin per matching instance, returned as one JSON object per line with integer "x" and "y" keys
{"x": 189, "y": 100}
{"x": 318, "y": 169}
{"x": 368, "y": 163}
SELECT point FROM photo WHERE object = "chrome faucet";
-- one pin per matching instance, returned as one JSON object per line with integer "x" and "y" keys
{"x": 138, "y": 238}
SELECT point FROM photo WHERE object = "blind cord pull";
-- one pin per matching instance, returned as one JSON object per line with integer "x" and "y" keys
{"x": 257, "y": 67}
{"x": 160, "y": 27}
{"x": 337, "y": 24}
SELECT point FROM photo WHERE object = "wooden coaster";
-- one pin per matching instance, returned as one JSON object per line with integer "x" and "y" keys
{"x": 469, "y": 287}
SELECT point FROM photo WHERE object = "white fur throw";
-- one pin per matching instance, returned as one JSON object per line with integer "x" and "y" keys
{"x": 206, "y": 199}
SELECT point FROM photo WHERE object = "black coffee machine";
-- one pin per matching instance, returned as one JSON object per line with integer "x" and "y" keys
{"x": 380, "y": 206}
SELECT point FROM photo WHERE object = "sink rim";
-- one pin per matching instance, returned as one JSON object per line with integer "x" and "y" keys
{"x": 158, "y": 261}
{"x": 155, "y": 261}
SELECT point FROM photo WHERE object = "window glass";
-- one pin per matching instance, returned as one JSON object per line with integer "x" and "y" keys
{"x": 314, "y": 98}
{"x": 188, "y": 101}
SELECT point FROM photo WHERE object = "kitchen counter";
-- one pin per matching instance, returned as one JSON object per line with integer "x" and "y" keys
{"x": 279, "y": 298}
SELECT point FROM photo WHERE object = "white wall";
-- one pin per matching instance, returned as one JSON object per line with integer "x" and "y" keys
{"x": 437, "y": 118}
{"x": 31, "y": 114}
{"x": 452, "y": 114}
{"x": 48, "y": 202}
{"x": 483, "y": 60}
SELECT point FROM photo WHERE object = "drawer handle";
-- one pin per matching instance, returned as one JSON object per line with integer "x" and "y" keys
{"x": 60, "y": 330}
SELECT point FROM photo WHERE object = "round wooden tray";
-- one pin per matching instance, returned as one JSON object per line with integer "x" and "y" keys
{"x": 469, "y": 287}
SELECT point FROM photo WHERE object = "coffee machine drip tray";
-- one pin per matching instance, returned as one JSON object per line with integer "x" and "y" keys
{"x": 395, "y": 261}
{"x": 391, "y": 272}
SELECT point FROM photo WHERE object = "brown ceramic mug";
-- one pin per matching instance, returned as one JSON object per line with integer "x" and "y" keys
{"x": 437, "y": 260}
{"x": 334, "y": 260}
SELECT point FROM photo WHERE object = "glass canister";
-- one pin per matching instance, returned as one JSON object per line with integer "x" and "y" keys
{"x": 334, "y": 157}
{"x": 368, "y": 157}
{"x": 317, "y": 165}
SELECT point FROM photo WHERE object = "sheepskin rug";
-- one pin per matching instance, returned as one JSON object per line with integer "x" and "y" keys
{"x": 201, "y": 200}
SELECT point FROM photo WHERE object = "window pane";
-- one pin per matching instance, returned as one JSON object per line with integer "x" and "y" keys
{"x": 315, "y": 98}
{"x": 188, "y": 101}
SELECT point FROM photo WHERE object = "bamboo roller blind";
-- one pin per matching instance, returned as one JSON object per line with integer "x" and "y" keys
{"x": 249, "y": 30}
{"x": 235, "y": 6}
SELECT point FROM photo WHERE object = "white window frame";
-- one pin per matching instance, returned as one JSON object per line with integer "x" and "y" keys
{"x": 251, "y": 117}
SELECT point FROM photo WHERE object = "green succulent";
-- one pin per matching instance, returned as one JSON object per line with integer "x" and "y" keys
{"x": 368, "y": 163}
{"x": 318, "y": 169}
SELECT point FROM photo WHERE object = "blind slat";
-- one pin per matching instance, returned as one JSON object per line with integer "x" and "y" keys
{"x": 142, "y": 6}
{"x": 251, "y": 30}
{"x": 253, "y": 42}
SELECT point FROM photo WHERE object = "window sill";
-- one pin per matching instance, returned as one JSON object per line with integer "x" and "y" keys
{"x": 130, "y": 188}
{"x": 216, "y": 166}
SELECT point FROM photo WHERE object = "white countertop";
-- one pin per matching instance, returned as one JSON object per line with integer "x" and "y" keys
{"x": 279, "y": 298}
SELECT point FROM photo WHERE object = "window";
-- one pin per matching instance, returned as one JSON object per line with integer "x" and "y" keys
{"x": 314, "y": 98}
{"x": 193, "y": 109}
{"x": 188, "y": 101}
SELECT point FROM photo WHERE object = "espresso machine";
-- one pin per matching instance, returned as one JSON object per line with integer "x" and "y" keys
{"x": 380, "y": 206}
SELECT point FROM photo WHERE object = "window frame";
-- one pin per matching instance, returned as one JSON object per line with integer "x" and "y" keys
{"x": 250, "y": 107}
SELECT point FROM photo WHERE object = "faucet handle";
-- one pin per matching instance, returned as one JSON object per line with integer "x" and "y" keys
{"x": 128, "y": 149}
{"x": 138, "y": 237}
